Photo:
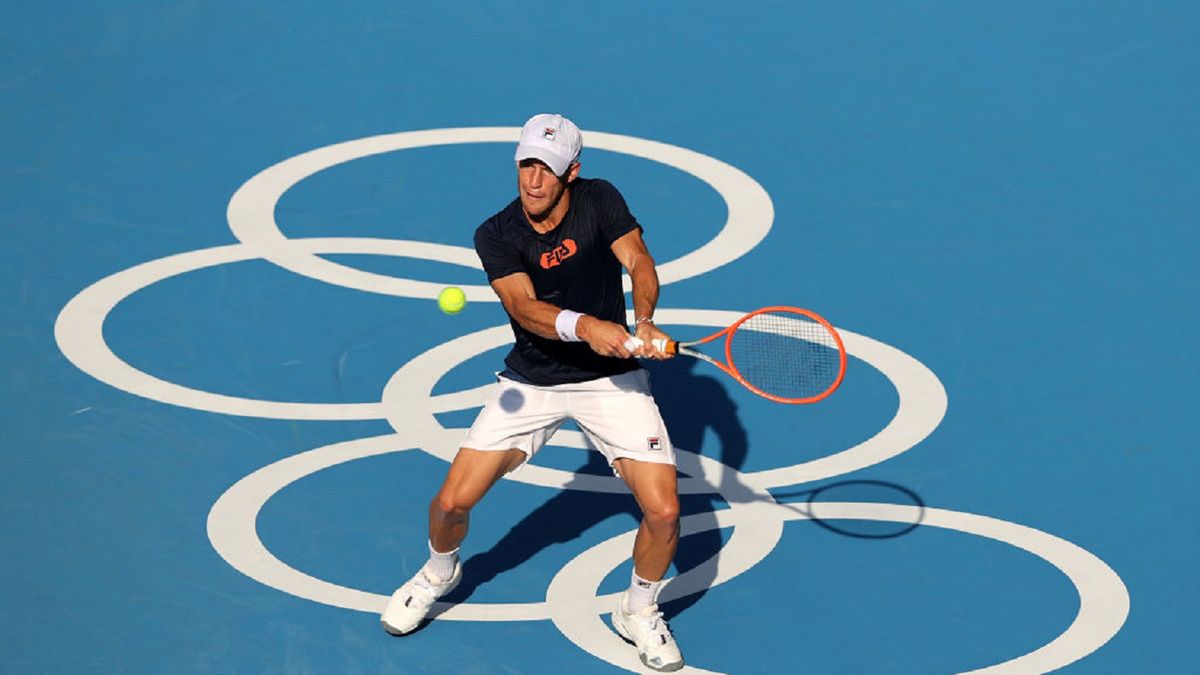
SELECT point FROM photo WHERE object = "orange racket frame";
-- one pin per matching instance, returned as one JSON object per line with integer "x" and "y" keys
{"x": 730, "y": 368}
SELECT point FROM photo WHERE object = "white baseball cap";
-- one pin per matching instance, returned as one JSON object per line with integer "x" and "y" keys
{"x": 553, "y": 139}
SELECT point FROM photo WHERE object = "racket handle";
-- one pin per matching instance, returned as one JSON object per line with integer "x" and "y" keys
{"x": 669, "y": 346}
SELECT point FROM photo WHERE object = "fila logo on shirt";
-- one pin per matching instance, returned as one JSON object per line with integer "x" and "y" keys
{"x": 654, "y": 443}
{"x": 564, "y": 250}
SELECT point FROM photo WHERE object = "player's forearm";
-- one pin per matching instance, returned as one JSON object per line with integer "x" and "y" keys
{"x": 537, "y": 317}
{"x": 645, "y": 287}
{"x": 542, "y": 318}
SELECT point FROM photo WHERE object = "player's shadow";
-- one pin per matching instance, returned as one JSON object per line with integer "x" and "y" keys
{"x": 691, "y": 404}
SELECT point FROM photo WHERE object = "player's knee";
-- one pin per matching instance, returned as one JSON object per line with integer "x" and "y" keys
{"x": 663, "y": 515}
{"x": 450, "y": 506}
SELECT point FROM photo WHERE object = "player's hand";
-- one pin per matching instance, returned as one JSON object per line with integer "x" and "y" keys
{"x": 649, "y": 334}
{"x": 604, "y": 337}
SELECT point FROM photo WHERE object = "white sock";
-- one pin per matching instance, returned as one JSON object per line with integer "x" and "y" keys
{"x": 642, "y": 593}
{"x": 442, "y": 564}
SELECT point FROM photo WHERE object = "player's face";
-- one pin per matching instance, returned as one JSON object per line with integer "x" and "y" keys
{"x": 540, "y": 189}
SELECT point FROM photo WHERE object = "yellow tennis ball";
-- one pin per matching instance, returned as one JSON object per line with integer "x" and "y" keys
{"x": 452, "y": 300}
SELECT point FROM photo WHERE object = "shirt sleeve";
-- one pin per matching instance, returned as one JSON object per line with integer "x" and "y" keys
{"x": 616, "y": 221}
{"x": 499, "y": 258}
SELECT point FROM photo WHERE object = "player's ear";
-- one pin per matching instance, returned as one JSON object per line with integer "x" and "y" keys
{"x": 572, "y": 173}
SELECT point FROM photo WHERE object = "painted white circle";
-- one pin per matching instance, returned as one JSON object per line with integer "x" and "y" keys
{"x": 79, "y": 328}
{"x": 251, "y": 212}
{"x": 922, "y": 405}
{"x": 1103, "y": 597}
{"x": 232, "y": 529}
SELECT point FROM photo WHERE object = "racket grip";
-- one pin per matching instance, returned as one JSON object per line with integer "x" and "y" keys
{"x": 659, "y": 344}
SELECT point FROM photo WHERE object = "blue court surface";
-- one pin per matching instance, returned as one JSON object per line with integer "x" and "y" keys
{"x": 228, "y": 394}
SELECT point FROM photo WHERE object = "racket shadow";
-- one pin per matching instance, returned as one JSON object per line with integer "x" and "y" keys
{"x": 809, "y": 503}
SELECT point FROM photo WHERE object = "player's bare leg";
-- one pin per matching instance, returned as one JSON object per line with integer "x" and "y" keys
{"x": 655, "y": 488}
{"x": 471, "y": 475}
{"x": 638, "y": 618}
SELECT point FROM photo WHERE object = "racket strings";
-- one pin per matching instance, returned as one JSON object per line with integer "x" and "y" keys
{"x": 785, "y": 354}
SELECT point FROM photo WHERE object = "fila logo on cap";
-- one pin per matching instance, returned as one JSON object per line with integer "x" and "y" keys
{"x": 548, "y": 133}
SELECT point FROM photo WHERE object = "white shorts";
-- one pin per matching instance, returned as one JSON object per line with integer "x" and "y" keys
{"x": 617, "y": 414}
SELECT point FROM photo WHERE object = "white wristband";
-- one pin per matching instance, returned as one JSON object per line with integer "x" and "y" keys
{"x": 564, "y": 323}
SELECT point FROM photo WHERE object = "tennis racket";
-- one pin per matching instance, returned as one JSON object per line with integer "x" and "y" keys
{"x": 785, "y": 354}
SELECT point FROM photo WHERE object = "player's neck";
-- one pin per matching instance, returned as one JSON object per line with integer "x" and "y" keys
{"x": 552, "y": 218}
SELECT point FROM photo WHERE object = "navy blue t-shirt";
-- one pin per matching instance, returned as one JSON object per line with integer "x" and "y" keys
{"x": 572, "y": 267}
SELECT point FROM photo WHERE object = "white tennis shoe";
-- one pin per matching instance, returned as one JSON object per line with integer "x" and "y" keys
{"x": 648, "y": 631}
{"x": 411, "y": 602}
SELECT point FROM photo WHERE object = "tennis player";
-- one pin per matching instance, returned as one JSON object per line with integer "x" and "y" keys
{"x": 554, "y": 256}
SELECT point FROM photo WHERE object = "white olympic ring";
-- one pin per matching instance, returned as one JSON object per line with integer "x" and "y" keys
{"x": 1103, "y": 598}
{"x": 251, "y": 211}
{"x": 921, "y": 408}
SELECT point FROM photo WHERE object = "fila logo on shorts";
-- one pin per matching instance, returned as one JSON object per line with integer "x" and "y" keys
{"x": 654, "y": 443}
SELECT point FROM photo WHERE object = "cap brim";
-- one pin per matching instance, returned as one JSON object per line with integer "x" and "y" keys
{"x": 558, "y": 165}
